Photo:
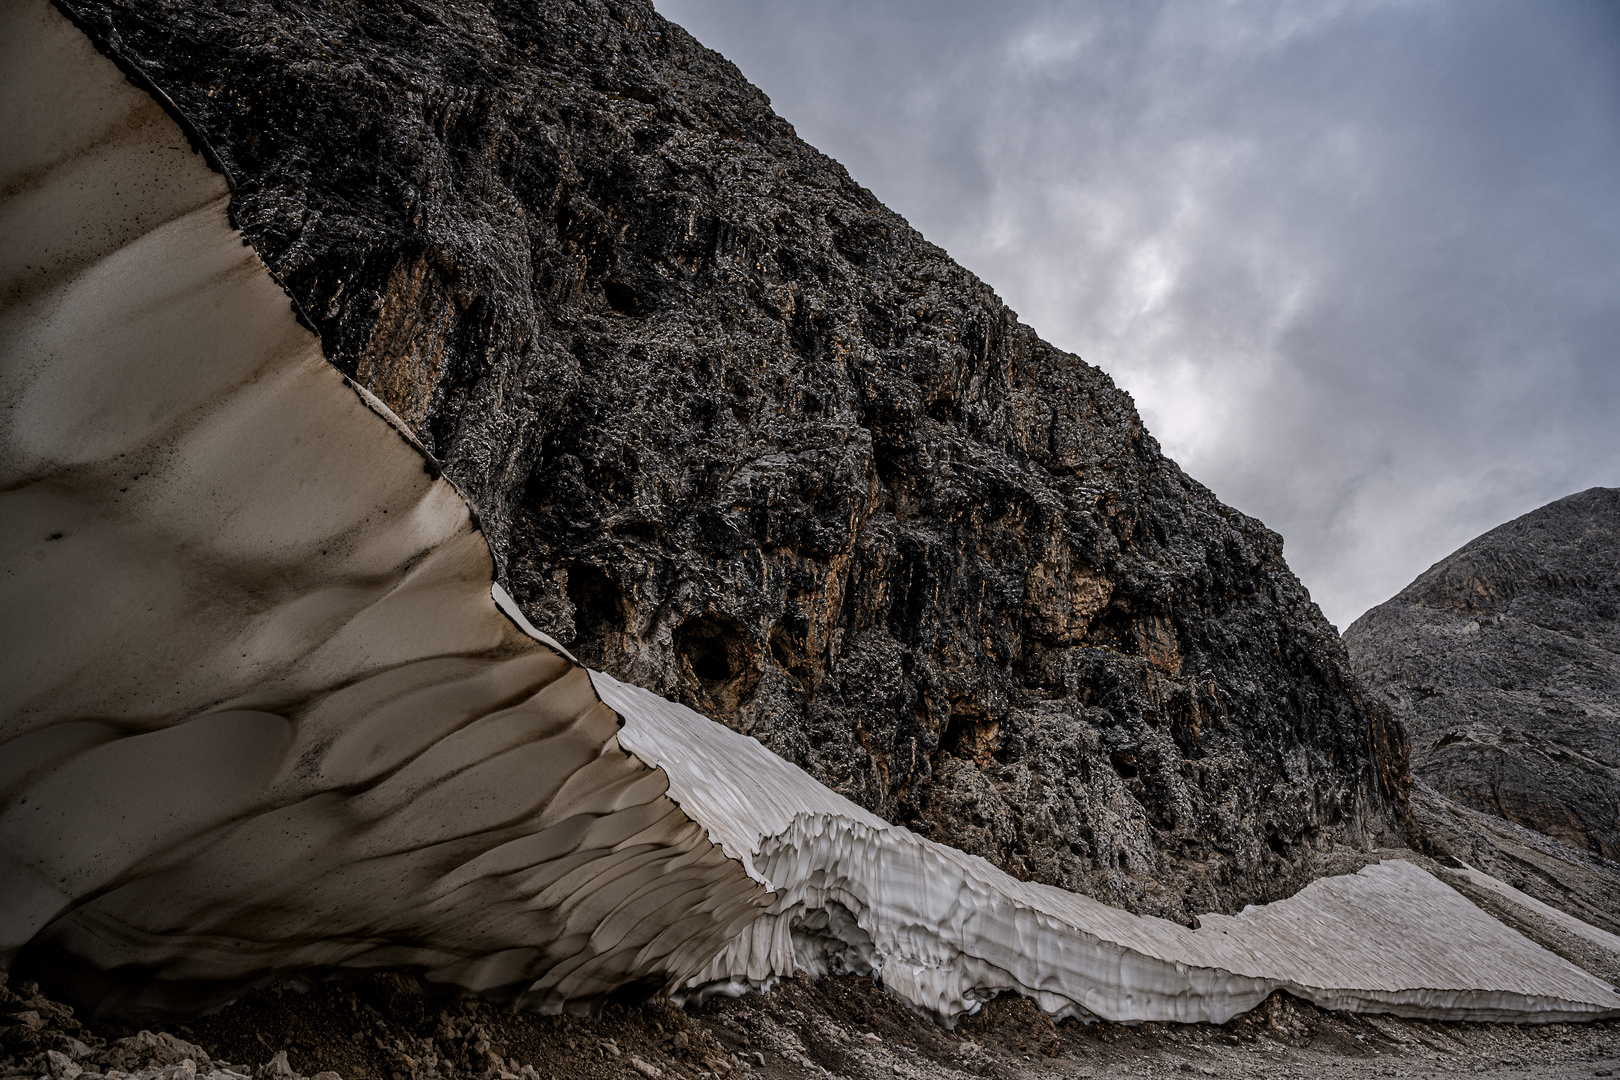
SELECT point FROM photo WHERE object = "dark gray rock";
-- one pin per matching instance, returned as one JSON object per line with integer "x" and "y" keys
{"x": 1503, "y": 661}
{"x": 738, "y": 433}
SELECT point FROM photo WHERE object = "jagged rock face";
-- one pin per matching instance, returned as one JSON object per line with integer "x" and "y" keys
{"x": 737, "y": 433}
{"x": 1503, "y": 660}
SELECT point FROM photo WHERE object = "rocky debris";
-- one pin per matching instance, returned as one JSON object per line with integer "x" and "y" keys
{"x": 1503, "y": 662}
{"x": 144, "y": 1049}
{"x": 46, "y": 1042}
{"x": 847, "y": 1028}
{"x": 737, "y": 433}
{"x": 41, "y": 1037}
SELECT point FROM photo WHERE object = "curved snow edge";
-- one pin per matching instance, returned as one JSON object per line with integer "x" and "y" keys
{"x": 264, "y": 711}
{"x": 946, "y": 931}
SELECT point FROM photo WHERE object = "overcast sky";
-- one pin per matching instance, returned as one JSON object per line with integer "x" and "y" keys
{"x": 1358, "y": 261}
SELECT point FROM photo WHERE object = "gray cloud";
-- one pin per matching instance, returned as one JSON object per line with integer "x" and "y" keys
{"x": 1357, "y": 260}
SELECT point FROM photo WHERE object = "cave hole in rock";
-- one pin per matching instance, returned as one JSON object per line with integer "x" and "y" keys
{"x": 957, "y": 738}
{"x": 786, "y": 650}
{"x": 969, "y": 735}
{"x": 1124, "y": 763}
{"x": 621, "y": 297}
{"x": 721, "y": 656}
{"x": 598, "y": 602}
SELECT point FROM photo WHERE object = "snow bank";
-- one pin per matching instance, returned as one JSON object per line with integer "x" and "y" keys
{"x": 258, "y": 712}
{"x": 945, "y": 931}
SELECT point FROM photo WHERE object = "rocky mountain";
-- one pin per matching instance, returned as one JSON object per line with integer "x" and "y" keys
{"x": 1503, "y": 662}
{"x": 739, "y": 434}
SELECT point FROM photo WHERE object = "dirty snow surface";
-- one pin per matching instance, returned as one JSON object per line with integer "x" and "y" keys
{"x": 945, "y": 930}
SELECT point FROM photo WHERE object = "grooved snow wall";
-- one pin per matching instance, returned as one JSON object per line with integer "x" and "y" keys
{"x": 260, "y": 713}
{"x": 946, "y": 931}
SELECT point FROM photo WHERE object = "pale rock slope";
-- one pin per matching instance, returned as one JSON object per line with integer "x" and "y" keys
{"x": 1503, "y": 662}
{"x": 265, "y": 713}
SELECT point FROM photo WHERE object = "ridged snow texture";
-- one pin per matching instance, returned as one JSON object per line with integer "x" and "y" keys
{"x": 945, "y": 930}
{"x": 261, "y": 713}
{"x": 258, "y": 710}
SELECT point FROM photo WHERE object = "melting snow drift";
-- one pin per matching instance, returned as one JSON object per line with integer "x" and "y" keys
{"x": 262, "y": 715}
{"x": 946, "y": 930}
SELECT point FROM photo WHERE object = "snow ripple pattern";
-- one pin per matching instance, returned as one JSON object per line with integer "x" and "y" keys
{"x": 259, "y": 714}
{"x": 945, "y": 930}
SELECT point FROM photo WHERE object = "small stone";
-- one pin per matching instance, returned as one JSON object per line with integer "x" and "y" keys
{"x": 680, "y": 1041}
{"x": 62, "y": 1067}
{"x": 645, "y": 1068}
{"x": 872, "y": 1037}
{"x": 29, "y": 1018}
{"x": 326, "y": 1076}
{"x": 276, "y": 1068}
{"x": 185, "y": 1070}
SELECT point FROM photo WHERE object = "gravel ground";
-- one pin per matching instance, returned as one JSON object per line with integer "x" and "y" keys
{"x": 389, "y": 1028}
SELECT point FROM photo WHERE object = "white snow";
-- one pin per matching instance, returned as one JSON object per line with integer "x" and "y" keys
{"x": 1562, "y": 919}
{"x": 946, "y": 931}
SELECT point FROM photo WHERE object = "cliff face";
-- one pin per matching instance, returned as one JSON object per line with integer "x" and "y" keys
{"x": 1503, "y": 660}
{"x": 739, "y": 434}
